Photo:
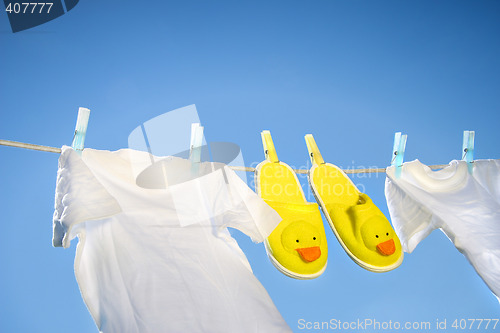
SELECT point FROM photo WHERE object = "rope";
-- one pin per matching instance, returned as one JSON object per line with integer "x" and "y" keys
{"x": 235, "y": 168}
{"x": 30, "y": 146}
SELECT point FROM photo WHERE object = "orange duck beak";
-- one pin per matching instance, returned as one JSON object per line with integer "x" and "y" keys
{"x": 387, "y": 248}
{"x": 310, "y": 253}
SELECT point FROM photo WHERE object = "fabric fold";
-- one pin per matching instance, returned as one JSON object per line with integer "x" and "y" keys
{"x": 79, "y": 197}
{"x": 466, "y": 207}
{"x": 154, "y": 252}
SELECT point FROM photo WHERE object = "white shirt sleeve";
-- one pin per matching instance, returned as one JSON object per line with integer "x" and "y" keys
{"x": 221, "y": 198}
{"x": 247, "y": 212}
{"x": 488, "y": 176}
{"x": 79, "y": 197}
{"x": 411, "y": 220}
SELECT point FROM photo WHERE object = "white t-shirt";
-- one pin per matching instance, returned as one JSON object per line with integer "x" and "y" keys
{"x": 466, "y": 207}
{"x": 154, "y": 252}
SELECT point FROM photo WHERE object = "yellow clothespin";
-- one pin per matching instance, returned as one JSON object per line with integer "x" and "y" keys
{"x": 269, "y": 150}
{"x": 314, "y": 154}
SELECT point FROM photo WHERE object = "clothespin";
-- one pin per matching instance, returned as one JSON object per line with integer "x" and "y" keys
{"x": 82, "y": 122}
{"x": 468, "y": 149}
{"x": 314, "y": 154}
{"x": 269, "y": 150}
{"x": 195, "y": 146}
{"x": 398, "y": 152}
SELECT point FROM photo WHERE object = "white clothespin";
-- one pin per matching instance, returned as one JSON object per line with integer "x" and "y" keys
{"x": 195, "y": 146}
{"x": 82, "y": 122}
{"x": 468, "y": 149}
{"x": 398, "y": 152}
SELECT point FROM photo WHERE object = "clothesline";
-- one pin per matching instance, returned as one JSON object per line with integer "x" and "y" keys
{"x": 235, "y": 168}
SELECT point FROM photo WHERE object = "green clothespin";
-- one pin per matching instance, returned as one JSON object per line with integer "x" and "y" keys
{"x": 82, "y": 122}
{"x": 195, "y": 146}
{"x": 468, "y": 149}
{"x": 398, "y": 152}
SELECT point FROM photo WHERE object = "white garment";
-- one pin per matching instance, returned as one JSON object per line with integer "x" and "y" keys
{"x": 466, "y": 207}
{"x": 153, "y": 259}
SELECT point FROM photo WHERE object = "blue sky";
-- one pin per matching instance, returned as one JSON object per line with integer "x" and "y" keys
{"x": 350, "y": 72}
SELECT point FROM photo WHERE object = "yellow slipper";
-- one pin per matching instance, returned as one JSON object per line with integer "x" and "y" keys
{"x": 360, "y": 227}
{"x": 297, "y": 247}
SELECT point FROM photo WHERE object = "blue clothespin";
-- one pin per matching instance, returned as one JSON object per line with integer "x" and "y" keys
{"x": 468, "y": 149}
{"x": 195, "y": 146}
{"x": 398, "y": 152}
{"x": 82, "y": 122}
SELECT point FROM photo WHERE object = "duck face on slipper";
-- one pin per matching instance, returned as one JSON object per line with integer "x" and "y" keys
{"x": 379, "y": 244}
{"x": 298, "y": 244}
{"x": 379, "y": 236}
{"x": 304, "y": 239}
{"x": 366, "y": 234}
